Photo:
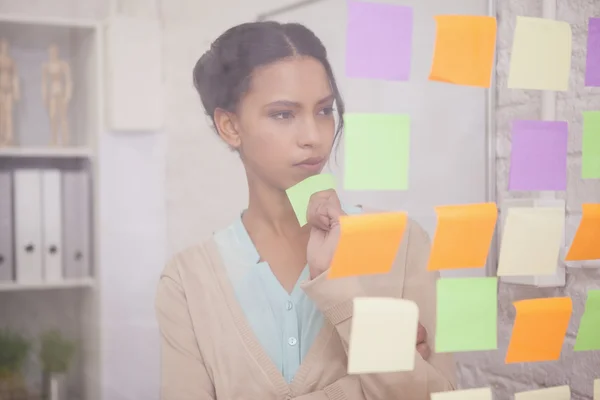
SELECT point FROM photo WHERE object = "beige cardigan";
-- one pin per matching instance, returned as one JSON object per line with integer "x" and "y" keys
{"x": 210, "y": 352}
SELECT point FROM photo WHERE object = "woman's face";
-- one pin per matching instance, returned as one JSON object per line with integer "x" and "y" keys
{"x": 284, "y": 127}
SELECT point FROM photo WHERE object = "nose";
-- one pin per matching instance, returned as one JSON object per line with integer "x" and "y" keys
{"x": 310, "y": 135}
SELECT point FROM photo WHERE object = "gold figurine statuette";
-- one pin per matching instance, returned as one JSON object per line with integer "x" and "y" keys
{"x": 57, "y": 89}
{"x": 9, "y": 94}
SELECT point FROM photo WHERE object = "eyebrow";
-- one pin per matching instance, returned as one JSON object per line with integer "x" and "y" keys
{"x": 289, "y": 103}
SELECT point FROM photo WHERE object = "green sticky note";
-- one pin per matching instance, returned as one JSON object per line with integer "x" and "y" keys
{"x": 300, "y": 193}
{"x": 588, "y": 336}
{"x": 377, "y": 148}
{"x": 590, "y": 168}
{"x": 466, "y": 314}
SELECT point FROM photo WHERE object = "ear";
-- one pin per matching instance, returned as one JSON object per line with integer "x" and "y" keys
{"x": 226, "y": 125}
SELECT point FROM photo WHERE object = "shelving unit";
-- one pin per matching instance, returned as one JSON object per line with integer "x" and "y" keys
{"x": 67, "y": 284}
{"x": 46, "y": 152}
{"x": 70, "y": 304}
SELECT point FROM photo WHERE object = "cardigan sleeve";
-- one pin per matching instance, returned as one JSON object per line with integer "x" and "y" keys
{"x": 183, "y": 373}
{"x": 334, "y": 297}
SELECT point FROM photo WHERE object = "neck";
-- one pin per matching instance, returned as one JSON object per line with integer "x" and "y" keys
{"x": 269, "y": 208}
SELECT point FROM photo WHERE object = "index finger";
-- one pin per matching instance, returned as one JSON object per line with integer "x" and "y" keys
{"x": 324, "y": 209}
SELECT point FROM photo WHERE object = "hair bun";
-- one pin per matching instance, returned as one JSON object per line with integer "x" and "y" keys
{"x": 222, "y": 75}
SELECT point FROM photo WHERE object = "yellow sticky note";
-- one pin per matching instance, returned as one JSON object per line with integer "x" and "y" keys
{"x": 586, "y": 243}
{"x": 541, "y": 55}
{"x": 531, "y": 241}
{"x": 464, "y": 50}
{"x": 539, "y": 329}
{"x": 300, "y": 193}
{"x": 468, "y": 394}
{"x": 463, "y": 236}
{"x": 597, "y": 389}
{"x": 553, "y": 393}
{"x": 368, "y": 244}
{"x": 383, "y": 336}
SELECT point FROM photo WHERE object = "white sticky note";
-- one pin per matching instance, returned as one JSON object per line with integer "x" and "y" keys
{"x": 541, "y": 55}
{"x": 383, "y": 336}
{"x": 553, "y": 393}
{"x": 468, "y": 394}
{"x": 531, "y": 241}
{"x": 597, "y": 389}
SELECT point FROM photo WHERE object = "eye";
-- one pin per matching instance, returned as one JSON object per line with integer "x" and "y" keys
{"x": 282, "y": 115}
{"x": 327, "y": 111}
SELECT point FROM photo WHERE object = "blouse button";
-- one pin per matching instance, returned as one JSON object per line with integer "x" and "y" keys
{"x": 292, "y": 341}
{"x": 289, "y": 305}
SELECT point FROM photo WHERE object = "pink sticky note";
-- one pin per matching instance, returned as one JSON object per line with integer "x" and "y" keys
{"x": 379, "y": 41}
{"x": 539, "y": 156}
{"x": 592, "y": 71}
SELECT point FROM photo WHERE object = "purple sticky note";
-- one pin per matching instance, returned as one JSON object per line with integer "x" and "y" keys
{"x": 379, "y": 41}
{"x": 592, "y": 70}
{"x": 539, "y": 156}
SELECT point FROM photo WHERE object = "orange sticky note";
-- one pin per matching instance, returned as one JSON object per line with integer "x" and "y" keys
{"x": 368, "y": 244}
{"x": 463, "y": 236}
{"x": 464, "y": 50}
{"x": 539, "y": 330}
{"x": 586, "y": 244}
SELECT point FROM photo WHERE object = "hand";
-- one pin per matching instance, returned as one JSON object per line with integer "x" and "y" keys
{"x": 422, "y": 346}
{"x": 324, "y": 211}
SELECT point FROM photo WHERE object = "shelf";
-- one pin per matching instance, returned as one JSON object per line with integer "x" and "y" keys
{"x": 46, "y": 152}
{"x": 58, "y": 22}
{"x": 67, "y": 284}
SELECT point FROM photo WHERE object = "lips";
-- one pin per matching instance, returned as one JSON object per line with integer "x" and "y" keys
{"x": 312, "y": 161}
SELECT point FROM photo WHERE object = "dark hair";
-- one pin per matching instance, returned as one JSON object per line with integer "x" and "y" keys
{"x": 222, "y": 75}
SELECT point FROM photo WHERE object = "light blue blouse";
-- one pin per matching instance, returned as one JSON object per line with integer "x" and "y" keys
{"x": 286, "y": 324}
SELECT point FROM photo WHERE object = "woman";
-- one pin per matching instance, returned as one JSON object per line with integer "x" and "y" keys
{"x": 250, "y": 314}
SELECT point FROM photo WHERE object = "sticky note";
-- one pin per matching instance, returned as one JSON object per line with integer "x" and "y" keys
{"x": 466, "y": 314}
{"x": 596, "y": 389}
{"x": 300, "y": 193}
{"x": 539, "y": 329}
{"x": 541, "y": 55}
{"x": 383, "y": 336}
{"x": 378, "y": 41}
{"x": 368, "y": 244}
{"x": 553, "y": 393}
{"x": 586, "y": 243}
{"x": 538, "y": 159}
{"x": 588, "y": 335}
{"x": 590, "y": 151}
{"x": 463, "y": 236}
{"x": 468, "y": 394}
{"x": 592, "y": 65}
{"x": 376, "y": 151}
{"x": 464, "y": 50}
{"x": 531, "y": 241}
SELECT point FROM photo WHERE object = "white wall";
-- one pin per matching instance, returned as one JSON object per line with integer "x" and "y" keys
{"x": 133, "y": 252}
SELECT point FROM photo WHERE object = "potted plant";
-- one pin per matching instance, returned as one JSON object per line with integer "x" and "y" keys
{"x": 14, "y": 350}
{"x": 56, "y": 354}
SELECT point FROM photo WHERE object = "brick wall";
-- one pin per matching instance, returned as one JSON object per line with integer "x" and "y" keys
{"x": 576, "y": 369}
